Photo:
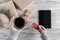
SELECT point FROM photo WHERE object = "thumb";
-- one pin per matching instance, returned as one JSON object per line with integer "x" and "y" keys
{"x": 42, "y": 27}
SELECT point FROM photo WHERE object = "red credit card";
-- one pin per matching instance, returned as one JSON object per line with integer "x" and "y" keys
{"x": 35, "y": 26}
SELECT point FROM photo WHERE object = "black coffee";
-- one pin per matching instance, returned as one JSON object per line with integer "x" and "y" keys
{"x": 19, "y": 23}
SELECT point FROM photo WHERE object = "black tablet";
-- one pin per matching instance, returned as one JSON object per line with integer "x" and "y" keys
{"x": 45, "y": 18}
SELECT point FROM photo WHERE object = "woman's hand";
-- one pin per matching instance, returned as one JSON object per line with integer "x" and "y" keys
{"x": 11, "y": 24}
{"x": 40, "y": 28}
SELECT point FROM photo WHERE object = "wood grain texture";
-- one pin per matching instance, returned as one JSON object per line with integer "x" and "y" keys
{"x": 32, "y": 34}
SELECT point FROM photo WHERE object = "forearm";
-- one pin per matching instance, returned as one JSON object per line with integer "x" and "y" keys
{"x": 13, "y": 36}
{"x": 45, "y": 37}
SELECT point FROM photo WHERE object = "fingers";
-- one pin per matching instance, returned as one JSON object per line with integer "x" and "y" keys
{"x": 37, "y": 27}
{"x": 42, "y": 27}
{"x": 26, "y": 19}
{"x": 10, "y": 25}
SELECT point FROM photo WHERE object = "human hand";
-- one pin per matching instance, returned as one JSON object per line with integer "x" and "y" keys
{"x": 12, "y": 26}
{"x": 40, "y": 28}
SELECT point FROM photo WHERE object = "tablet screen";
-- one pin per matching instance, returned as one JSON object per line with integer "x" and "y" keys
{"x": 45, "y": 18}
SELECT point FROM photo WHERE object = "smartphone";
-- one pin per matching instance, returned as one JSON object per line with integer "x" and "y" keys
{"x": 44, "y": 18}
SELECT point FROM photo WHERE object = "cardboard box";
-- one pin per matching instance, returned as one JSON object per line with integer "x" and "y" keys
{"x": 23, "y": 4}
